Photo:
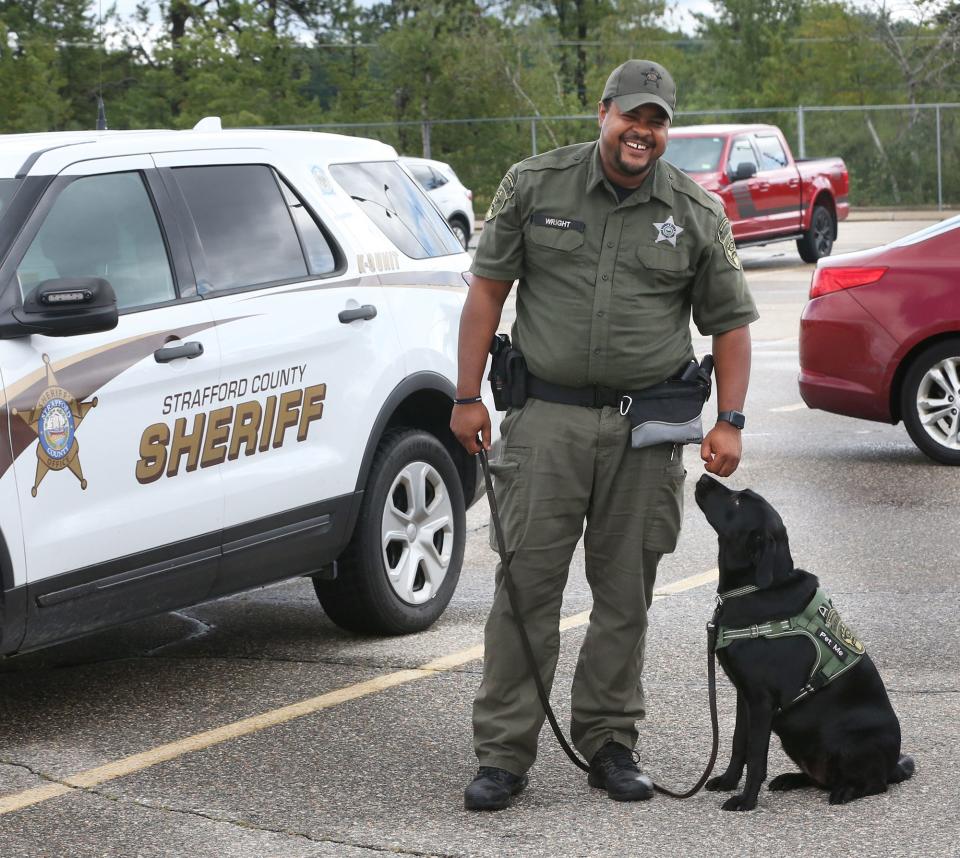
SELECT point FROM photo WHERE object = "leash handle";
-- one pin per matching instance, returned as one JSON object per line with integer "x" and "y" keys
{"x": 532, "y": 661}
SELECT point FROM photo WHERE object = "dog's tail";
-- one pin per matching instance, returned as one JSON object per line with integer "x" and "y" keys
{"x": 902, "y": 770}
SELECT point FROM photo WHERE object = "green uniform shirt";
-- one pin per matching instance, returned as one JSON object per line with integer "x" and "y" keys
{"x": 606, "y": 288}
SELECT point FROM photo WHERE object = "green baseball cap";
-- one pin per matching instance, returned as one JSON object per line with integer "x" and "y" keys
{"x": 637, "y": 82}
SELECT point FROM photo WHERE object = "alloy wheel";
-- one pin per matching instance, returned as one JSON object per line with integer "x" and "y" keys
{"x": 823, "y": 232}
{"x": 938, "y": 401}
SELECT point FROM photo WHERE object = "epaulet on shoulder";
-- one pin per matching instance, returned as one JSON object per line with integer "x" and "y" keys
{"x": 565, "y": 156}
{"x": 683, "y": 184}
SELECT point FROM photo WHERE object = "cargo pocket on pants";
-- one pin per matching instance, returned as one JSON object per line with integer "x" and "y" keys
{"x": 510, "y": 478}
{"x": 664, "y": 512}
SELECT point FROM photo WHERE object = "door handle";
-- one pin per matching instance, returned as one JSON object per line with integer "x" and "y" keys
{"x": 367, "y": 311}
{"x": 169, "y": 353}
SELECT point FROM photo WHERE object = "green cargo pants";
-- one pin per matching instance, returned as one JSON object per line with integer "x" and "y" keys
{"x": 561, "y": 465}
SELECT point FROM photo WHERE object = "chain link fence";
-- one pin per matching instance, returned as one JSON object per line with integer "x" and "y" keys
{"x": 899, "y": 156}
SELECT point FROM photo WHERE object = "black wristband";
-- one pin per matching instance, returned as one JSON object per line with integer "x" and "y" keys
{"x": 468, "y": 400}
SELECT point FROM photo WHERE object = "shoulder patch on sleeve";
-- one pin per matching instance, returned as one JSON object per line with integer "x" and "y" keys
{"x": 504, "y": 192}
{"x": 725, "y": 237}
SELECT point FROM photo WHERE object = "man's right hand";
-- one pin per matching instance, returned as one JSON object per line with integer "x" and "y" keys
{"x": 468, "y": 421}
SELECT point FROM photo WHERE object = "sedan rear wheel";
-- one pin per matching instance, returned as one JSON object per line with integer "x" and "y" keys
{"x": 930, "y": 401}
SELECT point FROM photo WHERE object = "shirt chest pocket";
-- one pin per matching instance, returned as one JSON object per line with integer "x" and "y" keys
{"x": 551, "y": 238}
{"x": 662, "y": 269}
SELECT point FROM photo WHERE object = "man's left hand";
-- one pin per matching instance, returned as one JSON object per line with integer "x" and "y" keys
{"x": 721, "y": 449}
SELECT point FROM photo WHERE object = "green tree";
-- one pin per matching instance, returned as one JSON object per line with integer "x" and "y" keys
{"x": 30, "y": 83}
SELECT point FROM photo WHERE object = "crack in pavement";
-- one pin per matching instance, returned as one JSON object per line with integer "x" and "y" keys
{"x": 33, "y": 771}
{"x": 246, "y": 824}
{"x": 239, "y": 823}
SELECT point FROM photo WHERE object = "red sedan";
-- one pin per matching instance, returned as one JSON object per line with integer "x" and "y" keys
{"x": 880, "y": 337}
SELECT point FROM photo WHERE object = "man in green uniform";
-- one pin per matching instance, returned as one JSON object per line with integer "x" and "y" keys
{"x": 613, "y": 250}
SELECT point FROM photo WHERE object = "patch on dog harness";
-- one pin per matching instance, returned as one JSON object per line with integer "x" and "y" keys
{"x": 836, "y": 644}
{"x": 838, "y": 635}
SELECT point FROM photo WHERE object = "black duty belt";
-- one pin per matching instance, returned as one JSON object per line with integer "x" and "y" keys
{"x": 591, "y": 396}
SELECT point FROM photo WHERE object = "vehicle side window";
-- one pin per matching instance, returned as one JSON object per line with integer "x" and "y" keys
{"x": 741, "y": 152}
{"x": 103, "y": 226}
{"x": 244, "y": 224}
{"x": 398, "y": 206}
{"x": 439, "y": 180}
{"x": 423, "y": 174}
{"x": 320, "y": 256}
{"x": 772, "y": 156}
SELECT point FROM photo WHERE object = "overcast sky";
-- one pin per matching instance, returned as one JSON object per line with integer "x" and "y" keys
{"x": 678, "y": 10}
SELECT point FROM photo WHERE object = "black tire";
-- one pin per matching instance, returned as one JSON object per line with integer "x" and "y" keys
{"x": 363, "y": 598}
{"x": 817, "y": 241}
{"x": 460, "y": 230}
{"x": 934, "y": 377}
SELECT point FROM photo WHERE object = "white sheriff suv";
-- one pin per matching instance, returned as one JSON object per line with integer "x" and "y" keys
{"x": 227, "y": 358}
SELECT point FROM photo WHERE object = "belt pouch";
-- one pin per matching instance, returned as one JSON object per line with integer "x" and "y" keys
{"x": 516, "y": 379}
{"x": 508, "y": 374}
{"x": 667, "y": 413}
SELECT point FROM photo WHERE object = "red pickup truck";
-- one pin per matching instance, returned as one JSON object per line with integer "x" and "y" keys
{"x": 768, "y": 195}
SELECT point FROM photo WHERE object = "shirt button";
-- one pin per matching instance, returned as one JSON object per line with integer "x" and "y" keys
{"x": 604, "y": 277}
{"x": 596, "y": 351}
{"x": 609, "y": 244}
{"x": 599, "y": 314}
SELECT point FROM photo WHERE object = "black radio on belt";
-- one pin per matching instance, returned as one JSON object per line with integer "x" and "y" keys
{"x": 508, "y": 374}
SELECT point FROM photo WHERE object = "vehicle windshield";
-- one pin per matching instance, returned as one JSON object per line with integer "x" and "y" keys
{"x": 398, "y": 206}
{"x": 7, "y": 187}
{"x": 695, "y": 154}
{"x": 928, "y": 232}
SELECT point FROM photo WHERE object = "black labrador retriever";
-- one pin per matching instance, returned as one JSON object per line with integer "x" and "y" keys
{"x": 844, "y": 736}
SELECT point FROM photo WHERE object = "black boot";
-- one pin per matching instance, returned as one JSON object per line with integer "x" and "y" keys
{"x": 614, "y": 769}
{"x": 492, "y": 789}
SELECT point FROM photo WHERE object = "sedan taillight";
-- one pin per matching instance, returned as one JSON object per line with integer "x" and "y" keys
{"x": 827, "y": 280}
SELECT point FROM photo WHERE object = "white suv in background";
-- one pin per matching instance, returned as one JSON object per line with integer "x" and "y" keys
{"x": 227, "y": 358}
{"x": 453, "y": 199}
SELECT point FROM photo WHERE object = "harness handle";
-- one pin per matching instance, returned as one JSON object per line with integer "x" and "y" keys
{"x": 534, "y": 670}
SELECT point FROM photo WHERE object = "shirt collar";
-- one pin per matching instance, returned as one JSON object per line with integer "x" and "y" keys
{"x": 658, "y": 184}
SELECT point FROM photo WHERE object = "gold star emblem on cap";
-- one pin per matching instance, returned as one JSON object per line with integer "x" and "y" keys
{"x": 668, "y": 231}
{"x": 54, "y": 420}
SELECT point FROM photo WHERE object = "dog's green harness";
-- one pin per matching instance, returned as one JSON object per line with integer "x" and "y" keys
{"x": 836, "y": 646}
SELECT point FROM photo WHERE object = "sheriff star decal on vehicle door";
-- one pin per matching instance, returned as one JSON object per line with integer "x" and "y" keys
{"x": 55, "y": 420}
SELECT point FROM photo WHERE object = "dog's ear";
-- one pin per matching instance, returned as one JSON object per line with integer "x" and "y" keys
{"x": 764, "y": 557}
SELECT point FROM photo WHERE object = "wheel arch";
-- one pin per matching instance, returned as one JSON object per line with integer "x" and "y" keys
{"x": 896, "y": 383}
{"x": 462, "y": 217}
{"x": 13, "y": 604}
{"x": 421, "y": 401}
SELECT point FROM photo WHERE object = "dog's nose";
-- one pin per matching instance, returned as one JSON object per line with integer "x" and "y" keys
{"x": 706, "y": 482}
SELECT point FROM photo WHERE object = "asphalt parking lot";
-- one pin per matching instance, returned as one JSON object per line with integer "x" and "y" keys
{"x": 252, "y": 726}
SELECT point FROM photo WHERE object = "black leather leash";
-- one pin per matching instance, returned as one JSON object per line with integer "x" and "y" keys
{"x": 532, "y": 662}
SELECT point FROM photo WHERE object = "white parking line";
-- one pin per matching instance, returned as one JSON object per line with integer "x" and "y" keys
{"x": 798, "y": 407}
{"x": 199, "y": 741}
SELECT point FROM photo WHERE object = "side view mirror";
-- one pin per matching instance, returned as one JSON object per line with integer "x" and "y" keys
{"x": 745, "y": 170}
{"x": 63, "y": 307}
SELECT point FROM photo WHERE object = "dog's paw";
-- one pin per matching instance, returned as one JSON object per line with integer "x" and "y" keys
{"x": 721, "y": 783}
{"x": 739, "y": 802}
